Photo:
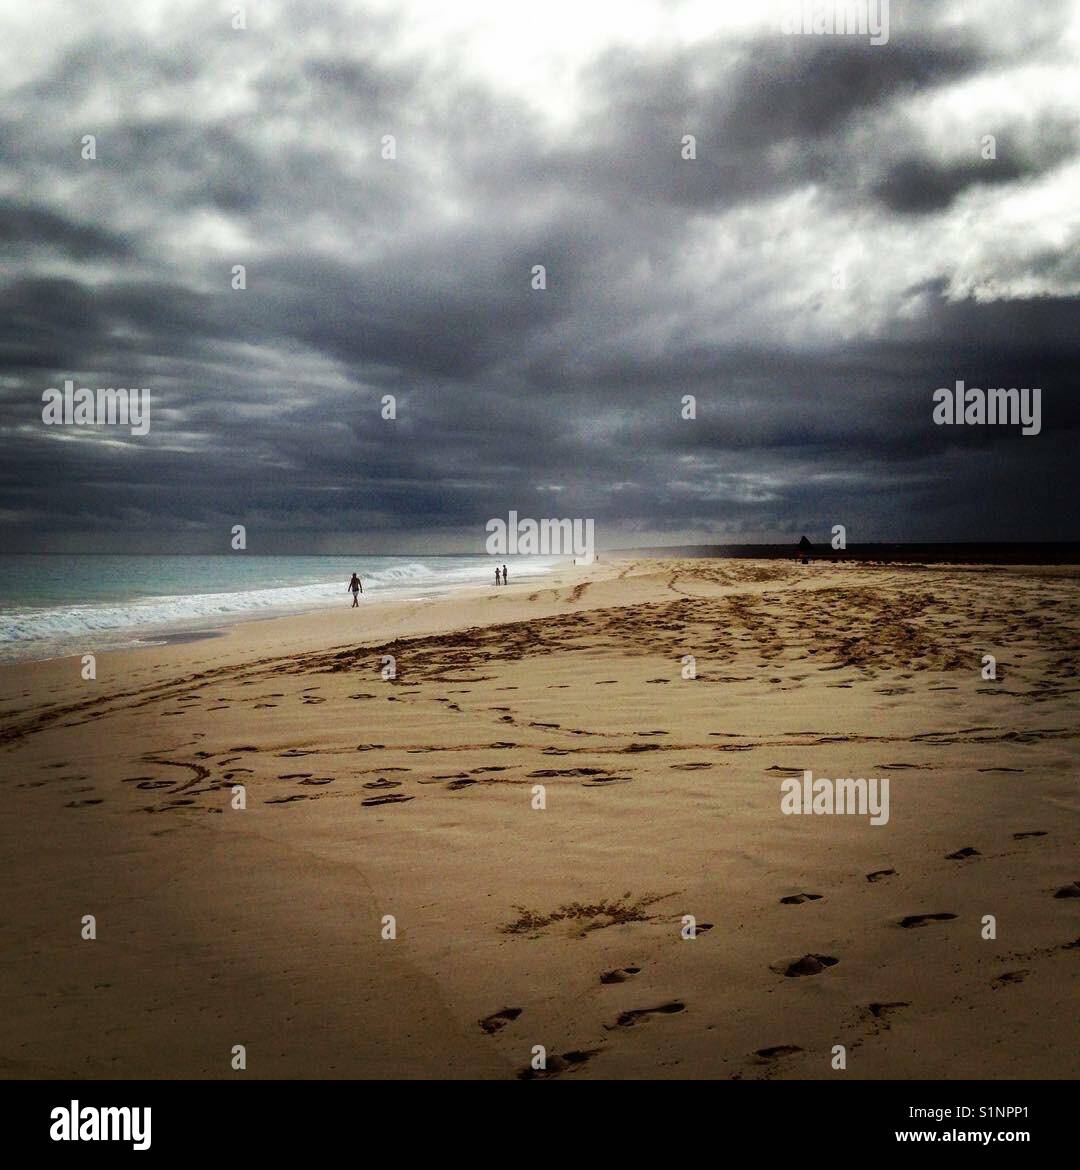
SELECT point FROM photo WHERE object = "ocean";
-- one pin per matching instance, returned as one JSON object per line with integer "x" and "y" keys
{"x": 52, "y": 606}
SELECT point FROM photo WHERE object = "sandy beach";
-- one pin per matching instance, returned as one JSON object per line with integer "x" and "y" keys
{"x": 562, "y": 926}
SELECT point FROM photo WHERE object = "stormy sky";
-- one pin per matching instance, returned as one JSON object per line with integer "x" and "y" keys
{"x": 838, "y": 249}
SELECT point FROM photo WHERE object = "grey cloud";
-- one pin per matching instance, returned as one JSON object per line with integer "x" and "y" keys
{"x": 28, "y": 226}
{"x": 411, "y": 277}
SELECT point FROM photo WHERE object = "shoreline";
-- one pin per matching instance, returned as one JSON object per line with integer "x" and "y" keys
{"x": 202, "y": 629}
{"x": 136, "y": 638}
{"x": 302, "y": 630}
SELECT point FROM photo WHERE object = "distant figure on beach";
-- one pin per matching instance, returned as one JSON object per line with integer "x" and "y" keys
{"x": 506, "y": 575}
{"x": 498, "y": 578}
{"x": 355, "y": 588}
{"x": 804, "y": 551}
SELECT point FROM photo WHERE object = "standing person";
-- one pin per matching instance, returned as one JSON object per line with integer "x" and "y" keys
{"x": 355, "y": 588}
{"x": 498, "y": 579}
{"x": 506, "y": 577}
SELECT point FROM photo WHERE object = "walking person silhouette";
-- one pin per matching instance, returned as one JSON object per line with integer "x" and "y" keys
{"x": 355, "y": 588}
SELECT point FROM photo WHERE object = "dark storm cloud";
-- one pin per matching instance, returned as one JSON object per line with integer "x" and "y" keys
{"x": 920, "y": 185}
{"x": 666, "y": 277}
{"x": 26, "y": 226}
{"x": 743, "y": 103}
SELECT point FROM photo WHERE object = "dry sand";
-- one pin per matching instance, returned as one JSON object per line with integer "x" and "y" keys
{"x": 560, "y": 926}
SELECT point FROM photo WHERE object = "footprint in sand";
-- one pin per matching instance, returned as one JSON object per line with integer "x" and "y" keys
{"x": 1029, "y": 833}
{"x": 962, "y": 854}
{"x": 319, "y": 780}
{"x": 382, "y": 782}
{"x": 798, "y": 899}
{"x": 1072, "y": 890}
{"x": 619, "y": 974}
{"x": 807, "y": 965}
{"x": 694, "y": 767}
{"x": 638, "y": 1015}
{"x": 879, "y": 874}
{"x": 558, "y": 1064}
{"x": 922, "y": 919}
{"x": 393, "y": 798}
{"x": 498, "y": 1020}
{"x": 81, "y": 803}
{"x": 777, "y": 1051}
{"x": 546, "y": 772}
{"x": 1009, "y": 977}
{"x": 881, "y": 1011}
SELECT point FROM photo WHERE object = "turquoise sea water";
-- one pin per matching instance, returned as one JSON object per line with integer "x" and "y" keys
{"x": 56, "y": 605}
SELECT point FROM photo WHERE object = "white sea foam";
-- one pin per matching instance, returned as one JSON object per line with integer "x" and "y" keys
{"x": 32, "y": 632}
